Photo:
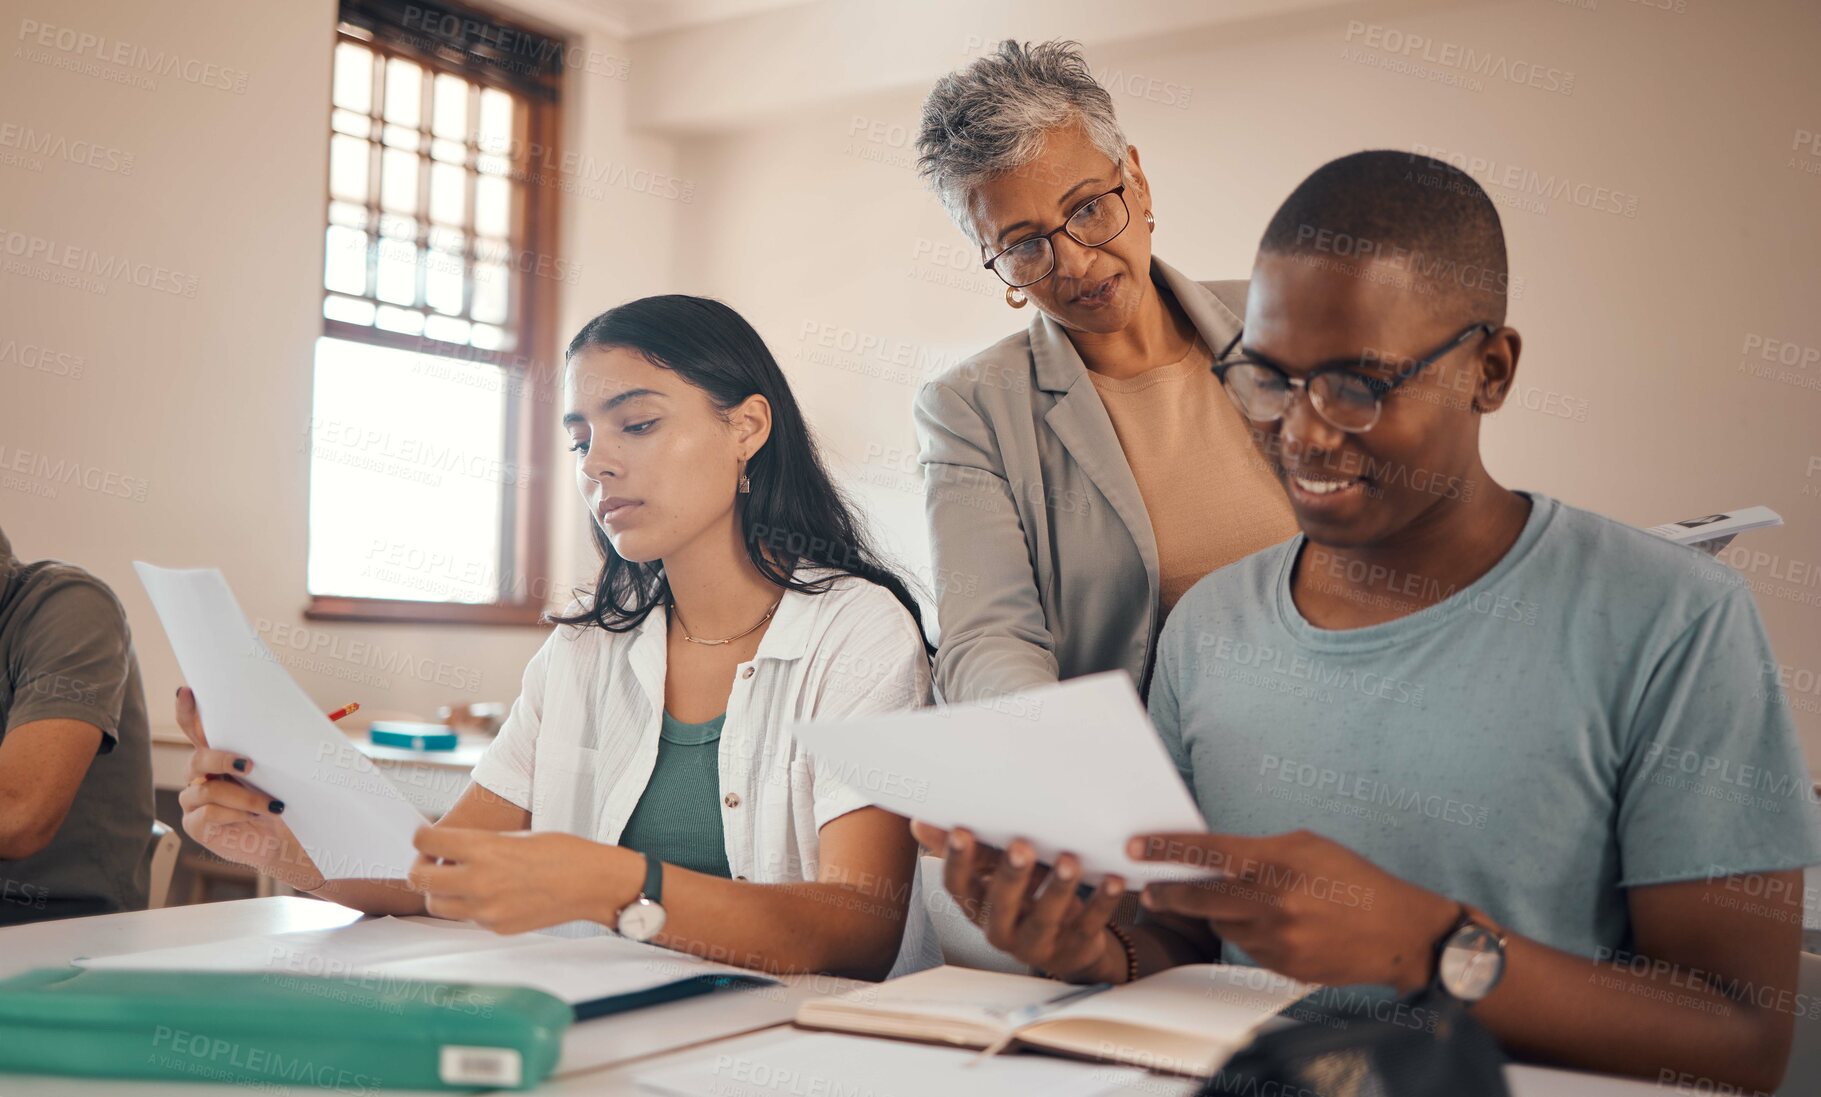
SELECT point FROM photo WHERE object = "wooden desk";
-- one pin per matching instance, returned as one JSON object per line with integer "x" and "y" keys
{"x": 601, "y": 1057}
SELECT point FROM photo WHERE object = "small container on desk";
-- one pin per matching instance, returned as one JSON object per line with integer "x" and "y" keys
{"x": 405, "y": 735}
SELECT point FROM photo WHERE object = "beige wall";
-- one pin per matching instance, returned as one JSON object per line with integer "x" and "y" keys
{"x": 790, "y": 130}
{"x": 190, "y": 412}
{"x": 1632, "y": 399}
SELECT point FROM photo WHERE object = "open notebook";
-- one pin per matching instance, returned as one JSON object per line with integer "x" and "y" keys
{"x": 1187, "y": 1020}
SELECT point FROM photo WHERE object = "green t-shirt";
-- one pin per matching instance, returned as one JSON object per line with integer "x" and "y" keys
{"x": 1601, "y": 710}
{"x": 66, "y": 654}
{"x": 678, "y": 817}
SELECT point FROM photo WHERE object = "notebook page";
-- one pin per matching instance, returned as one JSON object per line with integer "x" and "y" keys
{"x": 980, "y": 999}
{"x": 1223, "y": 1002}
{"x": 832, "y": 1065}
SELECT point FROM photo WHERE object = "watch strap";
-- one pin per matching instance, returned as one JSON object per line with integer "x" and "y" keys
{"x": 654, "y": 879}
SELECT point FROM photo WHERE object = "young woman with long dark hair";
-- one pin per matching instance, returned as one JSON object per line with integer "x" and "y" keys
{"x": 646, "y": 779}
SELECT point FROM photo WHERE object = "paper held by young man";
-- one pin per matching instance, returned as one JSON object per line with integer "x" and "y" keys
{"x": 1075, "y": 767}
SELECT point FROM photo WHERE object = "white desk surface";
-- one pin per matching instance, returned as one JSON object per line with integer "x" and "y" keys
{"x": 631, "y": 1042}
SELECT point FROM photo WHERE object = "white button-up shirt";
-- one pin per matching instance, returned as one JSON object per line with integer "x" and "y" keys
{"x": 581, "y": 742}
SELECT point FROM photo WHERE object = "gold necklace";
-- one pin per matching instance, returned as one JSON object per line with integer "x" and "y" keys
{"x": 730, "y": 639}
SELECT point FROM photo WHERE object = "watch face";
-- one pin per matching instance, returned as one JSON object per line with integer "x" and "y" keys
{"x": 1472, "y": 962}
{"x": 641, "y": 920}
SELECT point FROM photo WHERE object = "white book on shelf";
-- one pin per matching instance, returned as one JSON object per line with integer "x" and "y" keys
{"x": 1712, "y": 532}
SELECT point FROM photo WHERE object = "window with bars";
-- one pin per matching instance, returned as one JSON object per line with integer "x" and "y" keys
{"x": 439, "y": 273}
{"x": 425, "y": 213}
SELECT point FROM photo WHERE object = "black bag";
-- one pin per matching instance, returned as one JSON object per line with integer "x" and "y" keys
{"x": 1349, "y": 1044}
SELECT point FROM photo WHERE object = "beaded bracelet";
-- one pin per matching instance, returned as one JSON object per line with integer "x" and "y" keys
{"x": 1131, "y": 951}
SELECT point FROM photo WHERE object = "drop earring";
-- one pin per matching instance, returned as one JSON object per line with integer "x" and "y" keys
{"x": 1015, "y": 297}
{"x": 745, "y": 487}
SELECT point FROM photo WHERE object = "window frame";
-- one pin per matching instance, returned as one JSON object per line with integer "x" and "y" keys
{"x": 525, "y": 512}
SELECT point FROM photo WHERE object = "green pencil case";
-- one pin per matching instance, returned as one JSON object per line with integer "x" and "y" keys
{"x": 349, "y": 1035}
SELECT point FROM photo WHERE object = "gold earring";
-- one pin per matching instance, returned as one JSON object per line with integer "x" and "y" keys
{"x": 745, "y": 487}
{"x": 1150, "y": 222}
{"x": 1015, "y": 297}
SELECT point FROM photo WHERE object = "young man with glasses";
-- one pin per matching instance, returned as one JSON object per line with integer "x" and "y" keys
{"x": 1452, "y": 735}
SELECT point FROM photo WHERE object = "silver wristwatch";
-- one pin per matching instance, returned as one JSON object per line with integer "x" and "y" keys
{"x": 1469, "y": 959}
{"x": 643, "y": 918}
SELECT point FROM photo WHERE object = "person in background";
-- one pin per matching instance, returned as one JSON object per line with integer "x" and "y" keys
{"x": 1452, "y": 735}
{"x": 1083, "y": 473}
{"x": 646, "y": 779}
{"x": 75, "y": 750}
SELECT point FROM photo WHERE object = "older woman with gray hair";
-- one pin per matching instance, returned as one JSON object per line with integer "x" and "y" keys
{"x": 1083, "y": 473}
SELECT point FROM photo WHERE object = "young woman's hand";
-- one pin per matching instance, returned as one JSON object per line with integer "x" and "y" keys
{"x": 229, "y": 815}
{"x": 1303, "y": 905}
{"x": 1029, "y": 910}
{"x": 516, "y": 882}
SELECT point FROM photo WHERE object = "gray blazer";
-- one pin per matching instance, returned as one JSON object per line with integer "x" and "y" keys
{"x": 1045, "y": 564}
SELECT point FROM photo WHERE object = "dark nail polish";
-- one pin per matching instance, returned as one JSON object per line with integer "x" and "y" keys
{"x": 276, "y": 807}
{"x": 240, "y": 764}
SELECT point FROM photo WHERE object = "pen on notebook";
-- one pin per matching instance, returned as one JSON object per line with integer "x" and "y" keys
{"x": 1020, "y": 1017}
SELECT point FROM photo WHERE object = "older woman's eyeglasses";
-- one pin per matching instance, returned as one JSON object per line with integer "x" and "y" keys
{"x": 1093, "y": 223}
{"x": 1347, "y": 398}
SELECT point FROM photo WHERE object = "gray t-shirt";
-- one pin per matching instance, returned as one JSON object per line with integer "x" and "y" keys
{"x": 1599, "y": 711}
{"x": 68, "y": 654}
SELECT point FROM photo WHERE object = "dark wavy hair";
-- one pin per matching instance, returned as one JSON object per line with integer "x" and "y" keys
{"x": 794, "y": 515}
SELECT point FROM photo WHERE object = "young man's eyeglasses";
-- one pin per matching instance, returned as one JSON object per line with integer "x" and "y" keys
{"x": 1093, "y": 223}
{"x": 1349, "y": 399}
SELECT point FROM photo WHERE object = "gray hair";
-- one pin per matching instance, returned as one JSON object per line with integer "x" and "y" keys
{"x": 991, "y": 117}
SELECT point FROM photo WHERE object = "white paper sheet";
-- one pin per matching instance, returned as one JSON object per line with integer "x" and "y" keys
{"x": 447, "y": 952}
{"x": 1076, "y": 766}
{"x": 352, "y": 820}
{"x": 575, "y": 971}
{"x": 330, "y": 952}
{"x": 825, "y": 1063}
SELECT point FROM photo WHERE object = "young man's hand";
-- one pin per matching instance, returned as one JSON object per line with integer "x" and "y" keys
{"x": 1304, "y": 906}
{"x": 1030, "y": 910}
